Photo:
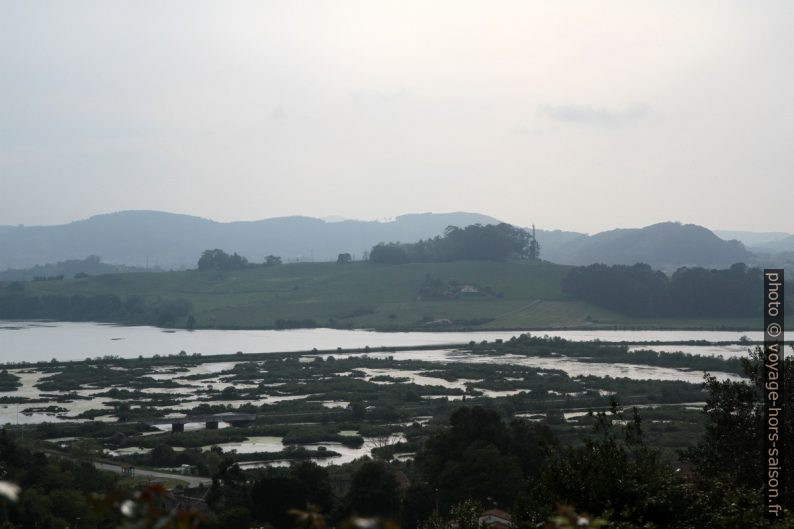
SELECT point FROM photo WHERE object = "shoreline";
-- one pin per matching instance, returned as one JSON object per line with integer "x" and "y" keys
{"x": 422, "y": 329}
{"x": 197, "y": 359}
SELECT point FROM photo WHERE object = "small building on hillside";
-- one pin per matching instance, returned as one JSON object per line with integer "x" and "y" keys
{"x": 496, "y": 519}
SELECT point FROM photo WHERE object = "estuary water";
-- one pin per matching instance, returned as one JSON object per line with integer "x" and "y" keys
{"x": 32, "y": 341}
{"x": 42, "y": 341}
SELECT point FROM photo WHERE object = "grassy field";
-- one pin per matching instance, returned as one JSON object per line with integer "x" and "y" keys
{"x": 526, "y": 295}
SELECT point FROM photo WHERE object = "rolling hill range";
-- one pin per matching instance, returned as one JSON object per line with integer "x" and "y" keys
{"x": 665, "y": 246}
{"x": 91, "y": 265}
{"x": 784, "y": 245}
{"x": 167, "y": 240}
{"x": 752, "y": 239}
{"x": 170, "y": 241}
{"x": 761, "y": 242}
{"x": 474, "y": 295}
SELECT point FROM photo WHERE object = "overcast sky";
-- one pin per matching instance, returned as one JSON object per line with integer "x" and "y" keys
{"x": 572, "y": 115}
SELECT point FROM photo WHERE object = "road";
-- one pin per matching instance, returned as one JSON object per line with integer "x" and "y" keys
{"x": 193, "y": 481}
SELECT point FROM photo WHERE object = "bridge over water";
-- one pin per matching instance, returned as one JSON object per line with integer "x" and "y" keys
{"x": 211, "y": 421}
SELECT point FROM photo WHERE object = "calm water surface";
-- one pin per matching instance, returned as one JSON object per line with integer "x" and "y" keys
{"x": 36, "y": 341}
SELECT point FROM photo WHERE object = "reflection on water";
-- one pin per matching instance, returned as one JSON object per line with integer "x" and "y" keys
{"x": 275, "y": 444}
{"x": 37, "y": 341}
{"x": 724, "y": 351}
{"x": 32, "y": 341}
{"x": 571, "y": 366}
{"x": 252, "y": 445}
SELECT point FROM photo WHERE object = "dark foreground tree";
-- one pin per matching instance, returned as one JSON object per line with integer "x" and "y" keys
{"x": 373, "y": 490}
{"x": 614, "y": 474}
{"x": 482, "y": 458}
{"x": 733, "y": 447}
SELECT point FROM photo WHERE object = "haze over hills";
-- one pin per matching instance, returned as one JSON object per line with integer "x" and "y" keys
{"x": 168, "y": 240}
{"x": 91, "y": 265}
{"x": 779, "y": 245}
{"x": 784, "y": 245}
{"x": 666, "y": 245}
{"x": 752, "y": 239}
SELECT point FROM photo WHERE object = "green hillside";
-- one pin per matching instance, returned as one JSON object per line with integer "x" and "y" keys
{"x": 363, "y": 295}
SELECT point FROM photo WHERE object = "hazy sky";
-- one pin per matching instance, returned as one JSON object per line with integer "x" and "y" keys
{"x": 573, "y": 115}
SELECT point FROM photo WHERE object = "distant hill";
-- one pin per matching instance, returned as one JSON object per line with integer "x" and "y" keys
{"x": 360, "y": 295}
{"x": 770, "y": 249}
{"x": 171, "y": 241}
{"x": 778, "y": 246}
{"x": 666, "y": 246}
{"x": 552, "y": 240}
{"x": 414, "y": 296}
{"x": 91, "y": 265}
{"x": 167, "y": 240}
{"x": 752, "y": 239}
